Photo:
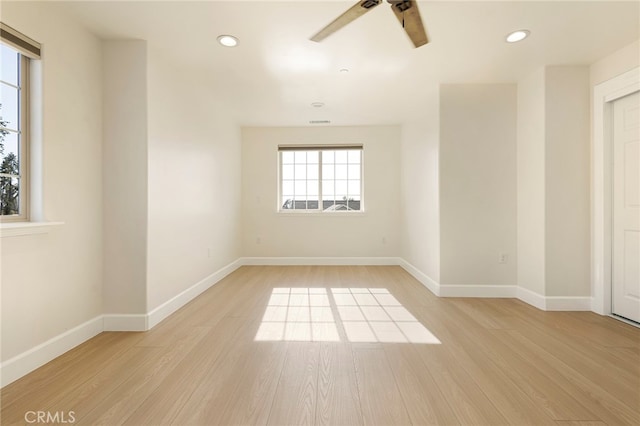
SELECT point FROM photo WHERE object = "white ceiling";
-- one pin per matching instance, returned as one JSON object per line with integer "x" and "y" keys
{"x": 275, "y": 73}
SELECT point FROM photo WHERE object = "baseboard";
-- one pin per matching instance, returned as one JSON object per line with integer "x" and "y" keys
{"x": 295, "y": 261}
{"x": 488, "y": 291}
{"x": 442, "y": 290}
{"x": 158, "y": 314}
{"x": 568, "y": 303}
{"x": 531, "y": 297}
{"x": 554, "y": 303}
{"x": 422, "y": 278}
{"x": 126, "y": 322}
{"x": 26, "y": 362}
{"x": 545, "y": 303}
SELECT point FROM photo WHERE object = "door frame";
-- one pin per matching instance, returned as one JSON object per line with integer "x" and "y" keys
{"x": 604, "y": 95}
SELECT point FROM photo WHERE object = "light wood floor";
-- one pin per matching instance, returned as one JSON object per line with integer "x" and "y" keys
{"x": 499, "y": 361}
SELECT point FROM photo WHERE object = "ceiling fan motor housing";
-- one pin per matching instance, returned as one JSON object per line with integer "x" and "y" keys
{"x": 401, "y": 5}
{"x": 368, "y": 4}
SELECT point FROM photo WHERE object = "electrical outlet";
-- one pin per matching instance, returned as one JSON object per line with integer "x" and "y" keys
{"x": 258, "y": 240}
{"x": 502, "y": 258}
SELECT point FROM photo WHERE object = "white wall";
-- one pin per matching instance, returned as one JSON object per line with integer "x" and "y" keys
{"x": 615, "y": 64}
{"x": 125, "y": 176}
{"x": 531, "y": 182}
{"x": 553, "y": 182}
{"x": 420, "y": 189}
{"x": 52, "y": 283}
{"x": 321, "y": 235}
{"x": 194, "y": 181}
{"x": 567, "y": 211}
{"x": 477, "y": 184}
{"x": 172, "y": 157}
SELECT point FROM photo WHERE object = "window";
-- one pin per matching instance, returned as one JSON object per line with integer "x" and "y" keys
{"x": 13, "y": 135}
{"x": 325, "y": 178}
{"x": 15, "y": 53}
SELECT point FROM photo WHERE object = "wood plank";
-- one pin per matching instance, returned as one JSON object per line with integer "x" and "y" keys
{"x": 295, "y": 399}
{"x": 607, "y": 407}
{"x": 512, "y": 402}
{"x": 113, "y": 404}
{"x": 165, "y": 402}
{"x": 469, "y": 403}
{"x": 246, "y": 392}
{"x": 64, "y": 373}
{"x": 425, "y": 403}
{"x": 483, "y": 313}
{"x": 79, "y": 398}
{"x": 240, "y": 383}
{"x": 381, "y": 401}
{"x": 580, "y": 325}
{"x": 627, "y": 358}
{"x": 557, "y": 404}
{"x": 338, "y": 402}
{"x": 571, "y": 350}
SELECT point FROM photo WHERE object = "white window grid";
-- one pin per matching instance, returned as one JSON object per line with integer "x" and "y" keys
{"x": 315, "y": 176}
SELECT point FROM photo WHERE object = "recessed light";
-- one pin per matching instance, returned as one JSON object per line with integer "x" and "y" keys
{"x": 228, "y": 40}
{"x": 518, "y": 36}
{"x": 344, "y": 70}
{"x": 317, "y": 104}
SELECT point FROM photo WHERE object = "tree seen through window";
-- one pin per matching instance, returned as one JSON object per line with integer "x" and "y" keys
{"x": 10, "y": 132}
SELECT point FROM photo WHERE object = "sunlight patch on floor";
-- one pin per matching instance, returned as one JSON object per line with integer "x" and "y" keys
{"x": 367, "y": 315}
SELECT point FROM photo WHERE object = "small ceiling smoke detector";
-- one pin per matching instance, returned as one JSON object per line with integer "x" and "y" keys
{"x": 228, "y": 40}
{"x": 317, "y": 104}
{"x": 319, "y": 121}
{"x": 344, "y": 70}
{"x": 517, "y": 36}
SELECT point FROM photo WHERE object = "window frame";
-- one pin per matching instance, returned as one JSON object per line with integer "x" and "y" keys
{"x": 29, "y": 50}
{"x": 320, "y": 149}
{"x": 24, "y": 193}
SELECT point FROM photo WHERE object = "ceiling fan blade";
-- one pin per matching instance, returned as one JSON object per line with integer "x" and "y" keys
{"x": 409, "y": 16}
{"x": 356, "y": 11}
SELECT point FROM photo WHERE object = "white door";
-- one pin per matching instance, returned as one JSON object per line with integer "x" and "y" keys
{"x": 626, "y": 207}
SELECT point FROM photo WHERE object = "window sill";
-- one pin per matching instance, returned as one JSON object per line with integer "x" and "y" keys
{"x": 322, "y": 214}
{"x": 16, "y": 229}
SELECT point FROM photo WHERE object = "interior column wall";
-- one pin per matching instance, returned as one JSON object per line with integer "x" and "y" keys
{"x": 531, "y": 182}
{"x": 124, "y": 160}
{"x": 420, "y": 193}
{"x": 478, "y": 184}
{"x": 567, "y": 212}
